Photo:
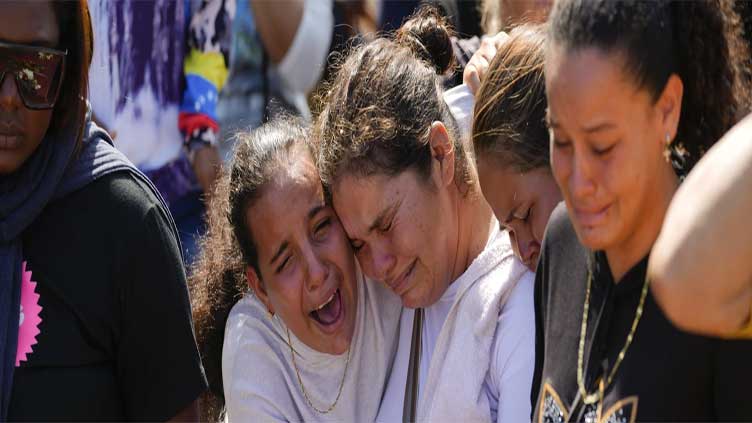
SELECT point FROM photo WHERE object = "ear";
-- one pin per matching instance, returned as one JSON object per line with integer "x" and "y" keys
{"x": 258, "y": 288}
{"x": 442, "y": 149}
{"x": 669, "y": 106}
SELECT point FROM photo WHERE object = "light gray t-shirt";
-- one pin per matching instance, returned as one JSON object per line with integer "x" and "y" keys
{"x": 260, "y": 382}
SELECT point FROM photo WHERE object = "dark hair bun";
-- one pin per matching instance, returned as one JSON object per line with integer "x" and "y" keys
{"x": 428, "y": 34}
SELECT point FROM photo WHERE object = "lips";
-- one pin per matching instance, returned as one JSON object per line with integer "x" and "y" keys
{"x": 399, "y": 284}
{"x": 592, "y": 216}
{"x": 11, "y": 135}
{"x": 330, "y": 312}
{"x": 9, "y": 141}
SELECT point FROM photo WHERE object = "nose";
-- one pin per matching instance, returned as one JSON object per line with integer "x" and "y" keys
{"x": 9, "y": 98}
{"x": 381, "y": 261}
{"x": 318, "y": 270}
{"x": 528, "y": 251}
{"x": 581, "y": 179}
{"x": 525, "y": 245}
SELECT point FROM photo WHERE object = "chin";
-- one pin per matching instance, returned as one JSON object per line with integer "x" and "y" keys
{"x": 409, "y": 301}
{"x": 339, "y": 346}
{"x": 7, "y": 168}
{"x": 597, "y": 238}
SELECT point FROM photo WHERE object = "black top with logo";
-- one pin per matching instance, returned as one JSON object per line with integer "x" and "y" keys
{"x": 666, "y": 374}
{"x": 115, "y": 340}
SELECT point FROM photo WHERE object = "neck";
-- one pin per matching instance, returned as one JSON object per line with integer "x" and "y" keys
{"x": 473, "y": 225}
{"x": 628, "y": 253}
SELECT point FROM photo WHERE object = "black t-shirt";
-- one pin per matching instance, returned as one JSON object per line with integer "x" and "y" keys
{"x": 115, "y": 340}
{"x": 666, "y": 374}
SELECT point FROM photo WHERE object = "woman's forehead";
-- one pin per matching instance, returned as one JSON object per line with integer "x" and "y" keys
{"x": 29, "y": 22}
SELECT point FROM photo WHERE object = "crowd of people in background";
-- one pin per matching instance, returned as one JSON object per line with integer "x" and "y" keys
{"x": 375, "y": 210}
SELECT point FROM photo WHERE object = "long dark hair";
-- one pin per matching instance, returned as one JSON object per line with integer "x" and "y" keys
{"x": 700, "y": 41}
{"x": 510, "y": 108}
{"x": 74, "y": 23}
{"x": 218, "y": 279}
{"x": 381, "y": 104}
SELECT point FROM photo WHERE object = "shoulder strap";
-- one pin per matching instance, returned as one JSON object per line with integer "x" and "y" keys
{"x": 413, "y": 370}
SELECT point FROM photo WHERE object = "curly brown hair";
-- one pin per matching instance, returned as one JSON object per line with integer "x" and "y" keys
{"x": 218, "y": 279}
{"x": 383, "y": 100}
{"x": 510, "y": 106}
{"x": 700, "y": 41}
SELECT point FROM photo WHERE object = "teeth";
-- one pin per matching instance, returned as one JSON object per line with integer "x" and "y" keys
{"x": 326, "y": 302}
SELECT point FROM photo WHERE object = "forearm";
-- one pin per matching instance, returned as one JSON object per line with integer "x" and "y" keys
{"x": 700, "y": 266}
{"x": 277, "y": 23}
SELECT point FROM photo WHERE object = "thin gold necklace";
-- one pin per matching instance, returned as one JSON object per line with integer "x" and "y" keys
{"x": 300, "y": 380}
{"x": 598, "y": 396}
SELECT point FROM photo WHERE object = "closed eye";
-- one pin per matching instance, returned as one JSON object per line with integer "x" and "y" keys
{"x": 356, "y": 245}
{"x": 386, "y": 228}
{"x": 527, "y": 215}
{"x": 603, "y": 151}
{"x": 282, "y": 266}
{"x": 320, "y": 229}
{"x": 561, "y": 144}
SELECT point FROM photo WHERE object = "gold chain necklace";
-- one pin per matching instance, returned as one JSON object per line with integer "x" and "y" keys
{"x": 300, "y": 380}
{"x": 598, "y": 396}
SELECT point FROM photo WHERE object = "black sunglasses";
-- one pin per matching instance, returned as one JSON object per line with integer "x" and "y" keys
{"x": 38, "y": 72}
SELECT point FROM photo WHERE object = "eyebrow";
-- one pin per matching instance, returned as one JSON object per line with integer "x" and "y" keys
{"x": 599, "y": 127}
{"x": 551, "y": 123}
{"x": 379, "y": 221}
{"x": 312, "y": 213}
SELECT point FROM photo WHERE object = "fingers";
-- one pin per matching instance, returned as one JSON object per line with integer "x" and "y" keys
{"x": 478, "y": 65}
{"x": 471, "y": 78}
{"x": 499, "y": 39}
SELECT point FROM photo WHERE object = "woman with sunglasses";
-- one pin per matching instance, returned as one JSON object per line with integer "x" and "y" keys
{"x": 94, "y": 313}
{"x": 637, "y": 91}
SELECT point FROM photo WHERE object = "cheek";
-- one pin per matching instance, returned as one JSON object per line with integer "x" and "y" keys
{"x": 539, "y": 226}
{"x": 285, "y": 292}
{"x": 37, "y": 122}
{"x": 513, "y": 241}
{"x": 625, "y": 174}
{"x": 561, "y": 166}
{"x": 337, "y": 250}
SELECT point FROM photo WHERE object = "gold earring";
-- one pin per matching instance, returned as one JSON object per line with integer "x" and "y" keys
{"x": 667, "y": 149}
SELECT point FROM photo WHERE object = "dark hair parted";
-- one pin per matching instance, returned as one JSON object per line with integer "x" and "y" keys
{"x": 218, "y": 278}
{"x": 700, "y": 41}
{"x": 74, "y": 24}
{"x": 383, "y": 100}
{"x": 510, "y": 107}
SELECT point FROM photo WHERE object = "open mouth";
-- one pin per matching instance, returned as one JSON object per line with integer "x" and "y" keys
{"x": 330, "y": 312}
